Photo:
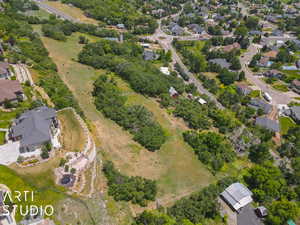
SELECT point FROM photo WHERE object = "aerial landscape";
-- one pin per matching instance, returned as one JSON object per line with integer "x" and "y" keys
{"x": 149, "y": 112}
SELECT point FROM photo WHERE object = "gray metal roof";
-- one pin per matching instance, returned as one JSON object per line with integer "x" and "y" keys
{"x": 221, "y": 62}
{"x": 267, "y": 123}
{"x": 236, "y": 192}
{"x": 34, "y": 126}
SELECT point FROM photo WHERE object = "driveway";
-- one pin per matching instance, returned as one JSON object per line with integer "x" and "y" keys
{"x": 9, "y": 153}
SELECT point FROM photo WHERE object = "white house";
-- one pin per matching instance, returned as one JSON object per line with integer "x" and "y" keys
{"x": 165, "y": 70}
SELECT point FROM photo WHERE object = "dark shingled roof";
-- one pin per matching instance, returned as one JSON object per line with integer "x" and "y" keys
{"x": 267, "y": 123}
{"x": 34, "y": 126}
{"x": 221, "y": 62}
{"x": 258, "y": 103}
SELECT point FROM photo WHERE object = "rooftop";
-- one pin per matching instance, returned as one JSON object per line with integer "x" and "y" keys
{"x": 267, "y": 123}
{"x": 34, "y": 126}
{"x": 9, "y": 89}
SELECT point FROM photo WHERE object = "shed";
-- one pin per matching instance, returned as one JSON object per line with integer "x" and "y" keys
{"x": 237, "y": 196}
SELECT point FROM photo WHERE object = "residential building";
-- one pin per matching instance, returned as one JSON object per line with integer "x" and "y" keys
{"x": 221, "y": 62}
{"x": 296, "y": 86}
{"x": 264, "y": 62}
{"x": 164, "y": 70}
{"x": 4, "y": 70}
{"x": 273, "y": 74}
{"x": 229, "y": 48}
{"x": 271, "y": 54}
{"x": 243, "y": 89}
{"x": 11, "y": 91}
{"x": 149, "y": 55}
{"x": 271, "y": 125}
{"x": 237, "y": 196}
{"x": 34, "y": 128}
{"x": 295, "y": 113}
{"x": 196, "y": 28}
{"x": 258, "y": 103}
{"x": 177, "y": 30}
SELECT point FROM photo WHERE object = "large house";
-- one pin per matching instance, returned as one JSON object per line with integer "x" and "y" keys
{"x": 11, "y": 91}
{"x": 34, "y": 128}
{"x": 4, "y": 70}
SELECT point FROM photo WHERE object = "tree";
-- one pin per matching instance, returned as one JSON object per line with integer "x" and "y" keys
{"x": 227, "y": 77}
{"x": 281, "y": 211}
{"x": 45, "y": 153}
{"x": 266, "y": 182}
{"x": 241, "y": 31}
{"x": 260, "y": 153}
{"x": 153, "y": 217}
{"x": 235, "y": 64}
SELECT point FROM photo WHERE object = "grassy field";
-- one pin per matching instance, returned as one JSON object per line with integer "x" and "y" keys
{"x": 2, "y": 138}
{"x": 16, "y": 182}
{"x": 174, "y": 166}
{"x": 72, "y": 11}
{"x": 285, "y": 124}
{"x": 73, "y": 138}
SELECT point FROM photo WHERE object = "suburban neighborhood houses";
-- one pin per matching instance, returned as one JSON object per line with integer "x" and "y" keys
{"x": 161, "y": 112}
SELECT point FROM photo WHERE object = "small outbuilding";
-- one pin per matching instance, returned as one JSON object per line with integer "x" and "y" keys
{"x": 237, "y": 196}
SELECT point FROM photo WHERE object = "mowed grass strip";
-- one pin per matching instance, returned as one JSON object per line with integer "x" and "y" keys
{"x": 285, "y": 124}
{"x": 174, "y": 166}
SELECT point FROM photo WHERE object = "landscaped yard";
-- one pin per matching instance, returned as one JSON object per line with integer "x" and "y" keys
{"x": 280, "y": 87}
{"x": 73, "y": 137}
{"x": 285, "y": 124}
{"x": 174, "y": 166}
{"x": 2, "y": 138}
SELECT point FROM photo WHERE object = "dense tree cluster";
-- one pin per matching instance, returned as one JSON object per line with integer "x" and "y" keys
{"x": 117, "y": 12}
{"x": 191, "y": 52}
{"x": 138, "y": 190}
{"x": 201, "y": 205}
{"x": 195, "y": 115}
{"x": 212, "y": 148}
{"x": 125, "y": 60}
{"x": 136, "y": 118}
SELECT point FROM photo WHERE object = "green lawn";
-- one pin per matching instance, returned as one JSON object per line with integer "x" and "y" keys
{"x": 255, "y": 94}
{"x": 280, "y": 87}
{"x": 42, "y": 196}
{"x": 2, "y": 137}
{"x": 285, "y": 124}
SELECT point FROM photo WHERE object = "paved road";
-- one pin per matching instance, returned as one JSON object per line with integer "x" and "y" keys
{"x": 55, "y": 11}
{"x": 165, "y": 41}
{"x": 277, "y": 96}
